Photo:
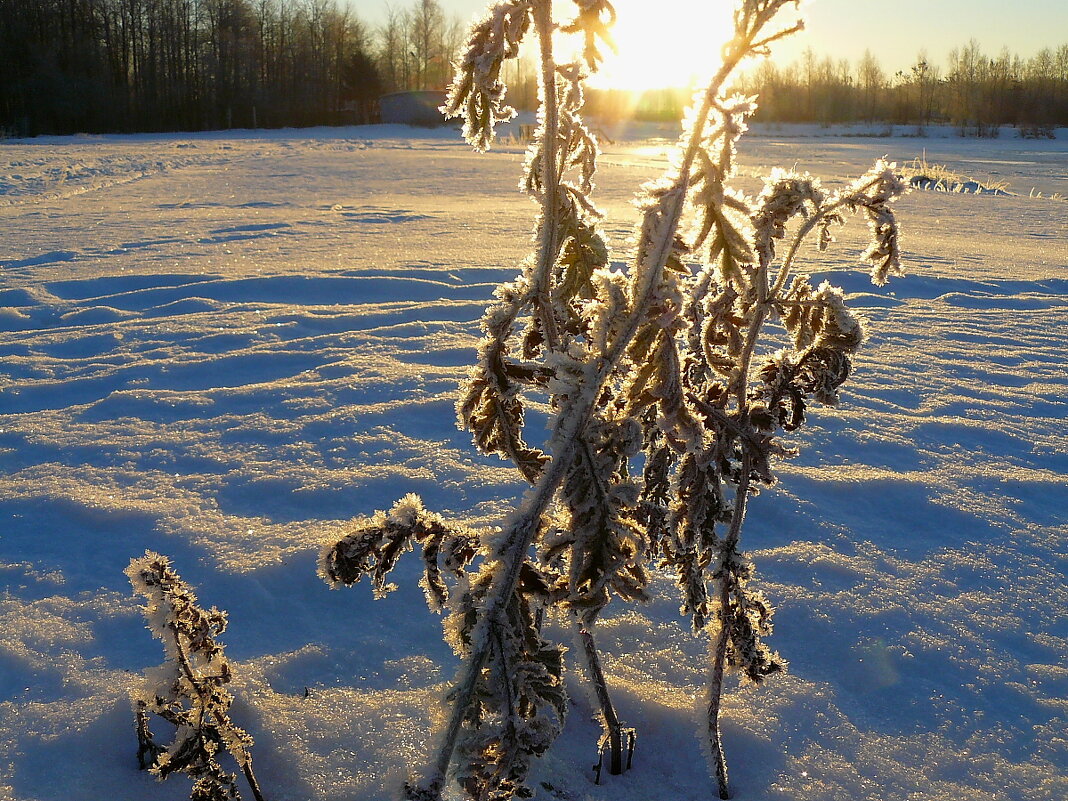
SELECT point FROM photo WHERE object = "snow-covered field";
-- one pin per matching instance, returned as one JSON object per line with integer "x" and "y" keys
{"x": 223, "y": 347}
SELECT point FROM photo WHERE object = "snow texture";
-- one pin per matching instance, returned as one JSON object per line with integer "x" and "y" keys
{"x": 224, "y": 347}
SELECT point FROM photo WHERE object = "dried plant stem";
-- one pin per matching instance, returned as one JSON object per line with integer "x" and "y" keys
{"x": 653, "y": 360}
{"x": 250, "y": 777}
{"x": 643, "y": 360}
{"x": 549, "y": 240}
{"x": 600, "y": 687}
{"x": 224, "y": 720}
{"x": 719, "y": 643}
{"x": 769, "y": 296}
{"x": 802, "y": 233}
{"x": 594, "y": 672}
{"x": 788, "y": 261}
{"x": 728, "y": 579}
{"x": 147, "y": 750}
{"x": 760, "y": 316}
{"x": 734, "y": 51}
{"x": 714, "y": 693}
{"x": 512, "y": 554}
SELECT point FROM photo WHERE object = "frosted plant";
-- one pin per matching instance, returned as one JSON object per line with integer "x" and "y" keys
{"x": 189, "y": 689}
{"x": 668, "y": 402}
{"x": 517, "y": 714}
{"x": 375, "y": 546}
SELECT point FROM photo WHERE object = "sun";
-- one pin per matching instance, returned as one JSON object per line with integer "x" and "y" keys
{"x": 664, "y": 43}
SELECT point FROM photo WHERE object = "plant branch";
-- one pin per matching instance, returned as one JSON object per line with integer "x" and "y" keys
{"x": 714, "y": 696}
{"x": 812, "y": 222}
{"x": 549, "y": 239}
{"x": 604, "y": 700}
{"x": 220, "y": 716}
{"x": 722, "y": 639}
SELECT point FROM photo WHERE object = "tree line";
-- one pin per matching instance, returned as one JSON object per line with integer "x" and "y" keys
{"x": 156, "y": 65}
{"x": 975, "y": 92}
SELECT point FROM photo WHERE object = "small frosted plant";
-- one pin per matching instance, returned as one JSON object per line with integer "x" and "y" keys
{"x": 668, "y": 402}
{"x": 188, "y": 690}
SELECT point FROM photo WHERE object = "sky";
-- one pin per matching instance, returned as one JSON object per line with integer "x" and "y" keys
{"x": 894, "y": 30}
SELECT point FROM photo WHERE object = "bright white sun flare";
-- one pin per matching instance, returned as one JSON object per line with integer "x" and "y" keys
{"x": 664, "y": 43}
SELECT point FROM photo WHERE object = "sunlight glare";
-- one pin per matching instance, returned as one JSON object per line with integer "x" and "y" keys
{"x": 664, "y": 43}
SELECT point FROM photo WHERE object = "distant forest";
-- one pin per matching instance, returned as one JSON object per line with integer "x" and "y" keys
{"x": 100, "y": 66}
{"x": 975, "y": 93}
{"x": 165, "y": 65}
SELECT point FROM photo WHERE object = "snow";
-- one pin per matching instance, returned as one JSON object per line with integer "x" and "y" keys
{"x": 222, "y": 347}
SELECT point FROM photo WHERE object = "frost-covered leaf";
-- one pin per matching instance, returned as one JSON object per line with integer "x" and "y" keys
{"x": 477, "y": 92}
{"x": 495, "y": 418}
{"x": 594, "y": 21}
{"x": 376, "y": 544}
